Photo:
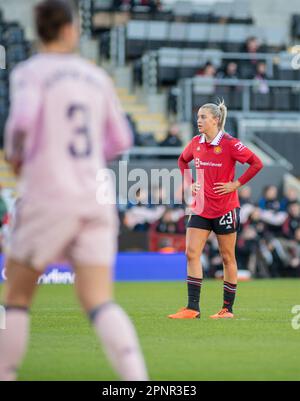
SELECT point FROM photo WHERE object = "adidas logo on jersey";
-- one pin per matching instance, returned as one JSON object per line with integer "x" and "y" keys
{"x": 229, "y": 226}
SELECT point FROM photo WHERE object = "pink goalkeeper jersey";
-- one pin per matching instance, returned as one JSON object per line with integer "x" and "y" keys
{"x": 72, "y": 124}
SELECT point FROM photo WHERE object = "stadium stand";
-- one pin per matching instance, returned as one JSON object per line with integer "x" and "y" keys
{"x": 17, "y": 49}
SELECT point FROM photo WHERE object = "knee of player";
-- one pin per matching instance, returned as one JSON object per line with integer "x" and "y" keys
{"x": 192, "y": 253}
{"x": 228, "y": 259}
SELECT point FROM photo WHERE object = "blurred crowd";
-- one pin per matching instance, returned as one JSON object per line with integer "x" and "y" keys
{"x": 268, "y": 243}
{"x": 254, "y": 68}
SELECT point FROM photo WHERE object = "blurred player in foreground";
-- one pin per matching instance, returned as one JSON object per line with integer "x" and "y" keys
{"x": 217, "y": 205}
{"x": 65, "y": 122}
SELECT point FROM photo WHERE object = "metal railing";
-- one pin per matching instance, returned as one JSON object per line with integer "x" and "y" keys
{"x": 154, "y": 151}
{"x": 187, "y": 90}
{"x": 151, "y": 63}
{"x": 118, "y": 42}
{"x": 118, "y": 46}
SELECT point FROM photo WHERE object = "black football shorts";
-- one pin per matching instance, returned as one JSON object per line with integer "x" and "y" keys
{"x": 227, "y": 224}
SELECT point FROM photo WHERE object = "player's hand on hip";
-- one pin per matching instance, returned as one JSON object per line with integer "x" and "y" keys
{"x": 223, "y": 188}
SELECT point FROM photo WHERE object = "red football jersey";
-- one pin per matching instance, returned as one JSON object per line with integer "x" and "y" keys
{"x": 215, "y": 162}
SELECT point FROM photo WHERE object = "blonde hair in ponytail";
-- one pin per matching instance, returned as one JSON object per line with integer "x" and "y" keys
{"x": 223, "y": 114}
{"x": 219, "y": 111}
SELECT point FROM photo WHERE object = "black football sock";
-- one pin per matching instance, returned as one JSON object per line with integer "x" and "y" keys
{"x": 194, "y": 288}
{"x": 229, "y": 295}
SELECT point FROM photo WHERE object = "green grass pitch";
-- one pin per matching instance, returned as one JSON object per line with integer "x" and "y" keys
{"x": 259, "y": 344}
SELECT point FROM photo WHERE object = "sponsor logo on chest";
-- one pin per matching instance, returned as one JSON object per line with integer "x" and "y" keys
{"x": 206, "y": 158}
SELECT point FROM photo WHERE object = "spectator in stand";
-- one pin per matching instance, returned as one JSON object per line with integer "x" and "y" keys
{"x": 290, "y": 196}
{"x": 158, "y": 197}
{"x": 270, "y": 210}
{"x": 230, "y": 71}
{"x": 292, "y": 222}
{"x": 251, "y": 46}
{"x": 248, "y": 67}
{"x": 256, "y": 222}
{"x": 172, "y": 138}
{"x": 209, "y": 70}
{"x": 134, "y": 129}
{"x": 293, "y": 268}
{"x": 213, "y": 255}
{"x": 252, "y": 231}
{"x": 266, "y": 222}
{"x": 260, "y": 78}
{"x": 245, "y": 194}
{"x": 273, "y": 255}
{"x": 270, "y": 200}
{"x": 168, "y": 223}
{"x": 140, "y": 216}
{"x": 247, "y": 247}
{"x": 246, "y": 203}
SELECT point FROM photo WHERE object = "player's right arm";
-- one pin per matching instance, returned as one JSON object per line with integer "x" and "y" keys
{"x": 25, "y": 103}
{"x": 183, "y": 163}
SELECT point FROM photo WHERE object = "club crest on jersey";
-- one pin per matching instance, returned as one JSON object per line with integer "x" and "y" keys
{"x": 218, "y": 150}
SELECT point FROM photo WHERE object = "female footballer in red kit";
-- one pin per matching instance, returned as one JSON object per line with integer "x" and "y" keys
{"x": 215, "y": 154}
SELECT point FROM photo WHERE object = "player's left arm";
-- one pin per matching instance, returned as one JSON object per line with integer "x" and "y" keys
{"x": 25, "y": 103}
{"x": 118, "y": 136}
{"x": 242, "y": 154}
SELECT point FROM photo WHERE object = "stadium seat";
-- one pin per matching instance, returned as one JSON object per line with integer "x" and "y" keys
{"x": 281, "y": 99}
{"x": 169, "y": 60}
{"x": 190, "y": 62}
{"x": 3, "y": 108}
{"x": 296, "y": 26}
{"x": 3, "y": 74}
{"x": 203, "y": 91}
{"x": 137, "y": 34}
{"x": 231, "y": 126}
{"x": 199, "y": 100}
{"x": 286, "y": 74}
{"x": 241, "y": 11}
{"x": 177, "y": 34}
{"x": 201, "y": 12}
{"x": 246, "y": 69}
{"x": 257, "y": 32}
{"x": 276, "y": 37}
{"x": 100, "y": 5}
{"x": 216, "y": 35}
{"x": 284, "y": 68}
{"x": 295, "y": 99}
{"x": 212, "y": 55}
{"x": 146, "y": 140}
{"x": 222, "y": 10}
{"x": 260, "y": 101}
{"x": 235, "y": 35}
{"x": 197, "y": 35}
{"x": 236, "y": 98}
{"x": 157, "y": 34}
{"x": 3, "y": 89}
{"x": 163, "y": 16}
{"x": 183, "y": 10}
{"x": 224, "y": 92}
{"x": 204, "y": 85}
